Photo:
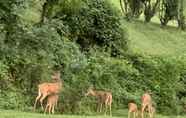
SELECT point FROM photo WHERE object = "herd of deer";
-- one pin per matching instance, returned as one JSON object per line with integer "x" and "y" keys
{"x": 51, "y": 92}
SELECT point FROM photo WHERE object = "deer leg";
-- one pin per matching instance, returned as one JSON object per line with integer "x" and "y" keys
{"x": 105, "y": 108}
{"x": 142, "y": 110}
{"x": 150, "y": 111}
{"x": 53, "y": 107}
{"x": 50, "y": 108}
{"x": 134, "y": 114}
{"x": 110, "y": 109}
{"x": 137, "y": 114}
{"x": 41, "y": 100}
{"x": 97, "y": 105}
{"x": 56, "y": 103}
{"x": 100, "y": 110}
{"x": 46, "y": 108}
{"x": 128, "y": 114}
{"x": 153, "y": 113}
{"x": 37, "y": 98}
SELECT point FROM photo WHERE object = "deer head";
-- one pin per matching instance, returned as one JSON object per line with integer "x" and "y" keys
{"x": 90, "y": 91}
{"x": 56, "y": 76}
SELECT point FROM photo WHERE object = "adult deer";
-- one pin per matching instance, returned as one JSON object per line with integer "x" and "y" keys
{"x": 103, "y": 97}
{"x": 132, "y": 108}
{"x": 51, "y": 103}
{"x": 46, "y": 89}
{"x": 146, "y": 103}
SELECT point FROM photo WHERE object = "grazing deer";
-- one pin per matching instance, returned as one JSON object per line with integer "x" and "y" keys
{"x": 51, "y": 103}
{"x": 132, "y": 108}
{"x": 103, "y": 97}
{"x": 146, "y": 103}
{"x": 46, "y": 89}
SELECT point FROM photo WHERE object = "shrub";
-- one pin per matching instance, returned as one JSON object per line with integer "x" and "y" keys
{"x": 93, "y": 23}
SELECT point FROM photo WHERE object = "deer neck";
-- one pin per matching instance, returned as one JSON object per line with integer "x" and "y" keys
{"x": 59, "y": 83}
{"x": 95, "y": 94}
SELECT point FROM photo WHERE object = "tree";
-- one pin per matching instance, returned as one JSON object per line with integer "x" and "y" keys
{"x": 134, "y": 8}
{"x": 170, "y": 10}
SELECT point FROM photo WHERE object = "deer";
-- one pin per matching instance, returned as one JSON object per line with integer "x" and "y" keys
{"x": 103, "y": 97}
{"x": 146, "y": 103}
{"x": 46, "y": 89}
{"x": 51, "y": 103}
{"x": 132, "y": 108}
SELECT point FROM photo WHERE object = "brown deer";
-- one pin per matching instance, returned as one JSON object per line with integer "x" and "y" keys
{"x": 46, "y": 89}
{"x": 51, "y": 103}
{"x": 132, "y": 108}
{"x": 146, "y": 103}
{"x": 103, "y": 97}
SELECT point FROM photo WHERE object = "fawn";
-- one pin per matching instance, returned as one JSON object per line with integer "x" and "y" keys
{"x": 51, "y": 103}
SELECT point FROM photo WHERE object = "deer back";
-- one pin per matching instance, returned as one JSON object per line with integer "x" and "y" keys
{"x": 103, "y": 96}
{"x": 146, "y": 98}
{"x": 54, "y": 88}
{"x": 50, "y": 88}
{"x": 132, "y": 107}
{"x": 52, "y": 99}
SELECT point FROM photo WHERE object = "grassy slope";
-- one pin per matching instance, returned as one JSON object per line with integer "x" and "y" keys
{"x": 152, "y": 39}
{"x": 17, "y": 114}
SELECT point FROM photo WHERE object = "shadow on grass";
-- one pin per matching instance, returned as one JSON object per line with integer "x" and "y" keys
{"x": 153, "y": 24}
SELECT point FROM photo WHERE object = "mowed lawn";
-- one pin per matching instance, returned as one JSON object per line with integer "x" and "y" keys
{"x": 19, "y": 114}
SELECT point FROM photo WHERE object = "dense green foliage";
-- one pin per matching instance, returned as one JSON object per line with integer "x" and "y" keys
{"x": 30, "y": 49}
{"x": 85, "y": 40}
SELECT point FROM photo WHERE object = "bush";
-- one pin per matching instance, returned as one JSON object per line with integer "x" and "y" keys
{"x": 162, "y": 75}
{"x": 30, "y": 52}
{"x": 99, "y": 25}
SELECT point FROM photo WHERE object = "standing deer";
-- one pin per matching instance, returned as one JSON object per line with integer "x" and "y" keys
{"x": 132, "y": 108}
{"x": 51, "y": 103}
{"x": 103, "y": 97}
{"x": 146, "y": 103}
{"x": 46, "y": 89}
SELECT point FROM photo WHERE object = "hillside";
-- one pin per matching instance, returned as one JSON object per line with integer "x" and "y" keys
{"x": 152, "y": 39}
{"x": 93, "y": 48}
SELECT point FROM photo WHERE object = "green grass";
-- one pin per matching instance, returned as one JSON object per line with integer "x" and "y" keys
{"x": 152, "y": 39}
{"x": 18, "y": 114}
